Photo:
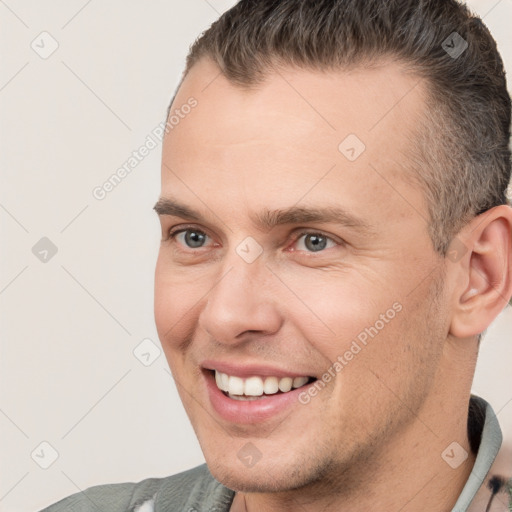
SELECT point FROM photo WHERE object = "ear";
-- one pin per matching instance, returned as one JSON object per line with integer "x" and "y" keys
{"x": 486, "y": 271}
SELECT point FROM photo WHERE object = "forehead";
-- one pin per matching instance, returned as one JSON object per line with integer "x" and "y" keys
{"x": 337, "y": 132}
{"x": 366, "y": 100}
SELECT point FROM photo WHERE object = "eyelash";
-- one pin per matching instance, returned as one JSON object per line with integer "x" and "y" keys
{"x": 172, "y": 233}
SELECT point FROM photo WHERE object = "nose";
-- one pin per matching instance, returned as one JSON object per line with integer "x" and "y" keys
{"x": 242, "y": 302}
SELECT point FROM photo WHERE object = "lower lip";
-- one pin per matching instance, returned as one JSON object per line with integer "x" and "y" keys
{"x": 249, "y": 411}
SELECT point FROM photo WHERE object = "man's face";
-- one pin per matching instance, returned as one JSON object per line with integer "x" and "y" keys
{"x": 291, "y": 298}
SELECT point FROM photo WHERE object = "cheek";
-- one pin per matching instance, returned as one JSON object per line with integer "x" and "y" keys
{"x": 335, "y": 307}
{"x": 177, "y": 295}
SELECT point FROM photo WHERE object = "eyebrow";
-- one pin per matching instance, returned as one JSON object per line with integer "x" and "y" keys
{"x": 268, "y": 219}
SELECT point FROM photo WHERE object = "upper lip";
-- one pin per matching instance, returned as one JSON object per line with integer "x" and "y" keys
{"x": 250, "y": 370}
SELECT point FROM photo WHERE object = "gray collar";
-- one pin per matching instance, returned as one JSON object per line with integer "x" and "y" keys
{"x": 490, "y": 444}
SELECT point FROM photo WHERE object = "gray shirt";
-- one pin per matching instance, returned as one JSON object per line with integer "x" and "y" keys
{"x": 197, "y": 491}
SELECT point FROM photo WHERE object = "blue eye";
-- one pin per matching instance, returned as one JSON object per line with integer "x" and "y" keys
{"x": 192, "y": 238}
{"x": 315, "y": 242}
{"x": 311, "y": 242}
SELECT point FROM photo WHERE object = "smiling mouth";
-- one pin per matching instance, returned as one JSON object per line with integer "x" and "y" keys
{"x": 254, "y": 388}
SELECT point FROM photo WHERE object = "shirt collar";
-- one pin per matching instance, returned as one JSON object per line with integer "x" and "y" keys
{"x": 490, "y": 443}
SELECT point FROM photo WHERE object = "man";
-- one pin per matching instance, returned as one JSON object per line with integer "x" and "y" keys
{"x": 335, "y": 239}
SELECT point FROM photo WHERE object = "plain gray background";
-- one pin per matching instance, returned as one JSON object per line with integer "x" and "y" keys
{"x": 72, "y": 320}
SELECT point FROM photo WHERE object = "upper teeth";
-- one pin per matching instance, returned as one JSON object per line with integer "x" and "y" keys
{"x": 256, "y": 386}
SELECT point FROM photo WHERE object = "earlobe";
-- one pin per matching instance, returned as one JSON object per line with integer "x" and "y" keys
{"x": 487, "y": 272}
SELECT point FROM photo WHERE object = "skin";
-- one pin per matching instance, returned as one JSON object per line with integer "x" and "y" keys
{"x": 372, "y": 439}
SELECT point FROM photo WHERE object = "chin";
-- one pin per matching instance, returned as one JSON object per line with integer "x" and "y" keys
{"x": 252, "y": 479}
{"x": 266, "y": 476}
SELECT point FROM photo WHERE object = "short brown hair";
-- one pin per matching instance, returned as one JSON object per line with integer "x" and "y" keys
{"x": 461, "y": 154}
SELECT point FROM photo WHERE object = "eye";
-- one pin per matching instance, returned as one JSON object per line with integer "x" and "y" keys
{"x": 314, "y": 242}
{"x": 193, "y": 238}
{"x": 189, "y": 237}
